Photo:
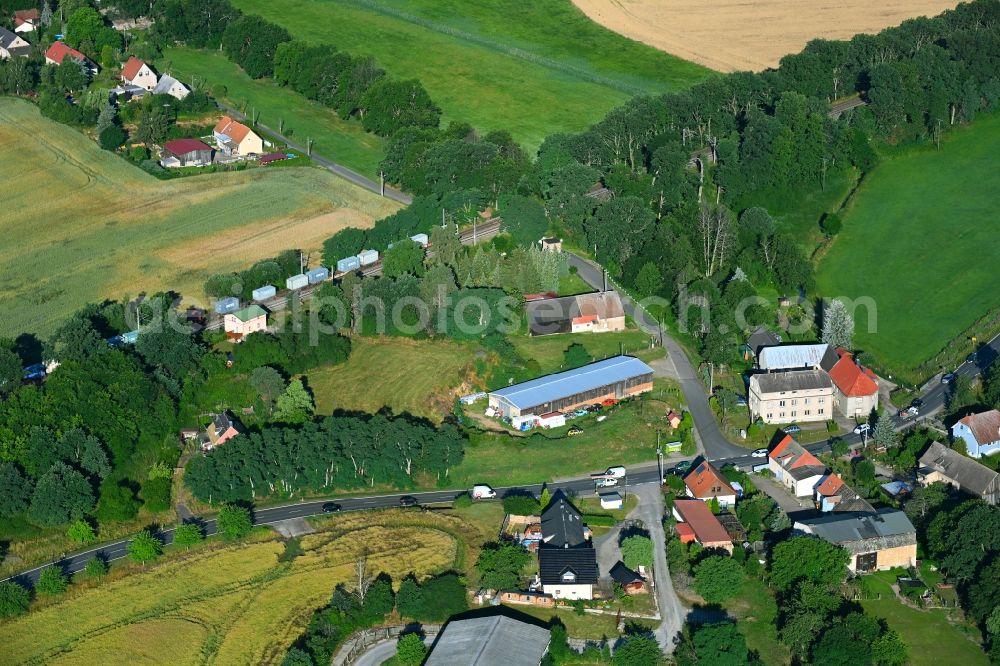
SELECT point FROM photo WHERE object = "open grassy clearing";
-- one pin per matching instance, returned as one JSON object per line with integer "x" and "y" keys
{"x": 548, "y": 350}
{"x": 755, "y": 611}
{"x": 929, "y": 636}
{"x": 227, "y": 605}
{"x": 80, "y": 224}
{"x": 530, "y": 68}
{"x": 419, "y": 377}
{"x": 730, "y": 36}
{"x": 920, "y": 239}
{"x": 344, "y": 142}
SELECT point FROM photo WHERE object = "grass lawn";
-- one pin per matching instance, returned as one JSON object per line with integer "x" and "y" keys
{"x": 587, "y": 626}
{"x": 533, "y": 68}
{"x": 342, "y": 141}
{"x": 928, "y": 634}
{"x": 756, "y": 611}
{"x": 572, "y": 284}
{"x": 418, "y": 377}
{"x": 80, "y": 224}
{"x": 548, "y": 349}
{"x": 920, "y": 238}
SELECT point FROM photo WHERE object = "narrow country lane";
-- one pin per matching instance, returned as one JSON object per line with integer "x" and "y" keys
{"x": 672, "y": 611}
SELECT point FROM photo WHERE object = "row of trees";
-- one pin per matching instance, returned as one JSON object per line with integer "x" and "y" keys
{"x": 354, "y": 86}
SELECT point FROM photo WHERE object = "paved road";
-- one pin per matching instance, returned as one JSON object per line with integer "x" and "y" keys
{"x": 672, "y": 611}
{"x": 339, "y": 169}
{"x": 382, "y": 651}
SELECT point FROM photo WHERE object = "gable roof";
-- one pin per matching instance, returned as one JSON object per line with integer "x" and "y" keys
{"x": 761, "y": 338}
{"x": 555, "y": 315}
{"x": 706, "y": 527}
{"x": 7, "y": 38}
{"x": 581, "y": 562}
{"x": 165, "y": 83}
{"x": 843, "y": 497}
{"x": 623, "y": 575}
{"x": 966, "y": 472}
{"x": 24, "y": 15}
{"x": 59, "y": 50}
{"x": 236, "y": 131}
{"x": 132, "y": 67}
{"x": 705, "y": 481}
{"x": 553, "y": 387}
{"x": 799, "y": 463}
{"x": 562, "y": 524}
{"x": 792, "y": 380}
{"x": 851, "y": 379}
{"x": 790, "y": 357}
{"x": 831, "y": 484}
{"x": 985, "y": 426}
{"x": 185, "y": 146}
{"x": 886, "y": 528}
{"x": 251, "y": 311}
{"x": 488, "y": 640}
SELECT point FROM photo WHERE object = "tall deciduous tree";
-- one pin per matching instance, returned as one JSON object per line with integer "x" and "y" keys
{"x": 144, "y": 547}
{"x": 500, "y": 565}
{"x": 15, "y": 490}
{"x": 295, "y": 405}
{"x": 807, "y": 558}
{"x": 410, "y": 651}
{"x": 61, "y": 494}
{"x": 390, "y": 105}
{"x": 717, "y": 578}
{"x": 233, "y": 521}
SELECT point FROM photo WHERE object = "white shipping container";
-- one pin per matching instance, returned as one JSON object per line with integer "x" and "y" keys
{"x": 296, "y": 281}
{"x": 420, "y": 238}
{"x": 264, "y": 293}
{"x": 368, "y": 257}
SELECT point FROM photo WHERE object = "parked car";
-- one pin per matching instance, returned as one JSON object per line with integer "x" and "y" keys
{"x": 575, "y": 430}
{"x": 616, "y": 472}
{"x": 909, "y": 411}
{"x": 792, "y": 429}
{"x": 861, "y": 428}
{"x": 917, "y": 402}
{"x": 741, "y": 402}
{"x": 971, "y": 358}
{"x": 331, "y": 507}
{"x": 759, "y": 453}
{"x": 406, "y": 500}
{"x": 594, "y": 408}
{"x": 580, "y": 412}
{"x": 948, "y": 378}
{"x": 683, "y": 467}
{"x": 606, "y": 483}
{"x": 483, "y": 492}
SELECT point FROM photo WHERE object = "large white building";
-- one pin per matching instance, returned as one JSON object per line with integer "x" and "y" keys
{"x": 795, "y": 396}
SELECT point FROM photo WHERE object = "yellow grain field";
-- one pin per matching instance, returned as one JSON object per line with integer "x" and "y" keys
{"x": 236, "y": 605}
{"x": 79, "y": 224}
{"x": 735, "y": 35}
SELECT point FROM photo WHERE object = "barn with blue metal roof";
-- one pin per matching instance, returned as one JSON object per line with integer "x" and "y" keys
{"x": 614, "y": 378}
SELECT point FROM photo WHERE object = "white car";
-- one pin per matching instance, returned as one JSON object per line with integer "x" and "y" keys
{"x": 861, "y": 428}
{"x": 759, "y": 453}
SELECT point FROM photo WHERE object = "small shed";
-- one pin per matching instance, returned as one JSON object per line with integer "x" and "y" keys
{"x": 611, "y": 501}
{"x": 551, "y": 244}
{"x": 674, "y": 419}
{"x": 185, "y": 152}
{"x": 552, "y": 420}
{"x": 630, "y": 581}
{"x": 523, "y": 422}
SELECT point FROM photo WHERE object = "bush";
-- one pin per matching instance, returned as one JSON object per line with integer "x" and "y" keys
{"x": 521, "y": 505}
{"x": 111, "y": 137}
{"x": 637, "y": 551}
{"x": 233, "y": 521}
{"x": 156, "y": 494}
{"x": 443, "y": 596}
{"x": 463, "y": 501}
{"x": 52, "y": 581}
{"x": 14, "y": 599}
{"x": 188, "y": 534}
{"x": 96, "y": 568}
{"x": 832, "y": 224}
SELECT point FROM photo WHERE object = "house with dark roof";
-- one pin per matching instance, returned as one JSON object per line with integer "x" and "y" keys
{"x": 12, "y": 45}
{"x": 58, "y": 52}
{"x": 704, "y": 481}
{"x": 137, "y": 73}
{"x": 168, "y": 85}
{"x": 695, "y": 522}
{"x": 980, "y": 432}
{"x": 794, "y": 467}
{"x": 222, "y": 429}
{"x": 832, "y": 494}
{"x": 876, "y": 541}
{"x": 597, "y": 312}
{"x": 939, "y": 463}
{"x": 759, "y": 339}
{"x": 185, "y": 152}
{"x": 497, "y": 636}
{"x": 855, "y": 387}
{"x": 26, "y": 20}
{"x": 792, "y": 396}
{"x": 629, "y": 580}
{"x": 567, "y": 561}
{"x": 611, "y": 379}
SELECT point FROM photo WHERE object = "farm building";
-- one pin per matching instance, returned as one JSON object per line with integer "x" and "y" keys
{"x": 497, "y": 636}
{"x": 599, "y": 312}
{"x": 612, "y": 379}
{"x": 26, "y": 20}
{"x": 168, "y": 85}
{"x": 185, "y": 152}
{"x": 243, "y": 322}
{"x": 57, "y": 53}
{"x": 12, "y": 46}
{"x": 939, "y": 463}
{"x": 138, "y": 73}
{"x": 695, "y": 522}
{"x": 876, "y": 542}
{"x": 235, "y": 138}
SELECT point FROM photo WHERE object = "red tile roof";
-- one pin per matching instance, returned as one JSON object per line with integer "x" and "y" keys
{"x": 830, "y": 485}
{"x": 791, "y": 455}
{"x": 685, "y": 532}
{"x": 707, "y": 528}
{"x": 234, "y": 130}
{"x": 705, "y": 482}
{"x": 59, "y": 50}
{"x": 184, "y": 146}
{"x": 850, "y": 378}
{"x": 586, "y": 319}
{"x": 131, "y": 68}
{"x": 985, "y": 426}
{"x": 23, "y": 16}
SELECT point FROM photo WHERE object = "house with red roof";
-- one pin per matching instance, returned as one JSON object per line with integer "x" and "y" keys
{"x": 26, "y": 20}
{"x": 138, "y": 73}
{"x": 695, "y": 522}
{"x": 855, "y": 391}
{"x": 235, "y": 138}
{"x": 980, "y": 432}
{"x": 57, "y": 53}
{"x": 704, "y": 482}
{"x": 185, "y": 152}
{"x": 795, "y": 468}
{"x": 833, "y": 495}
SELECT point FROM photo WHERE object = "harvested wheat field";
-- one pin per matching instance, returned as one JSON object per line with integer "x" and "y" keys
{"x": 92, "y": 226}
{"x": 234, "y": 604}
{"x": 753, "y": 35}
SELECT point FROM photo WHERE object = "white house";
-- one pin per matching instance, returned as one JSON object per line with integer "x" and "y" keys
{"x": 138, "y": 73}
{"x": 12, "y": 45}
{"x": 793, "y": 396}
{"x": 795, "y": 468}
{"x": 981, "y": 433}
{"x": 168, "y": 85}
{"x": 26, "y": 20}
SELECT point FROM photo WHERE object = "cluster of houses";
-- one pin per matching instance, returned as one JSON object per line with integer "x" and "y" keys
{"x": 138, "y": 78}
{"x": 802, "y": 383}
{"x": 704, "y": 484}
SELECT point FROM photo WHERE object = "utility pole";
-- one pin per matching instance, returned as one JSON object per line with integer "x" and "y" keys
{"x": 711, "y": 376}
{"x": 381, "y": 182}
{"x": 659, "y": 456}
{"x": 474, "y": 230}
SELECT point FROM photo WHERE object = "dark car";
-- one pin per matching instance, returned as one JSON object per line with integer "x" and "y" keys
{"x": 917, "y": 402}
{"x": 406, "y": 500}
{"x": 331, "y": 507}
{"x": 948, "y": 378}
{"x": 971, "y": 358}
{"x": 682, "y": 468}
